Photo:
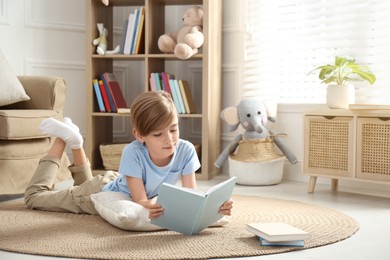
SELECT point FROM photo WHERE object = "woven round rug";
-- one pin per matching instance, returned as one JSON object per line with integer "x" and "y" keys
{"x": 84, "y": 236}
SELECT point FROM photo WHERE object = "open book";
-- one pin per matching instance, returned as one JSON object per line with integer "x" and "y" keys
{"x": 189, "y": 211}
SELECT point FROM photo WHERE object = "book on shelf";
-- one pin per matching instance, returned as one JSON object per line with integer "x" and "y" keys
{"x": 179, "y": 96}
{"x": 129, "y": 33}
{"x": 123, "y": 111}
{"x": 139, "y": 34}
{"x": 152, "y": 82}
{"x": 175, "y": 97}
{"x": 187, "y": 96}
{"x": 132, "y": 43}
{"x": 104, "y": 95}
{"x": 98, "y": 95}
{"x": 291, "y": 243}
{"x": 369, "y": 106}
{"x": 108, "y": 92}
{"x": 123, "y": 41}
{"x": 114, "y": 90}
{"x": 277, "y": 231}
{"x": 157, "y": 81}
{"x": 189, "y": 211}
{"x": 165, "y": 81}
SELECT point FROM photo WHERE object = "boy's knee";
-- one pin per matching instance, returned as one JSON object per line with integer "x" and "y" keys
{"x": 28, "y": 200}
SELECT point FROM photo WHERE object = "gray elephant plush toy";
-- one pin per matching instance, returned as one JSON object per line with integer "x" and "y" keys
{"x": 252, "y": 114}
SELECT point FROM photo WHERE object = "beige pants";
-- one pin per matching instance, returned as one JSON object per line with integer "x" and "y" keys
{"x": 40, "y": 194}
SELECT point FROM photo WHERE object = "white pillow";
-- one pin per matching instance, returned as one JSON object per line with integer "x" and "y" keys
{"x": 11, "y": 90}
{"x": 118, "y": 210}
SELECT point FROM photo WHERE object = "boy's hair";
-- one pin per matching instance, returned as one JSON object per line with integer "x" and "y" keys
{"x": 152, "y": 110}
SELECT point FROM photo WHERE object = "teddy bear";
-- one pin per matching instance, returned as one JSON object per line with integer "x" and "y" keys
{"x": 185, "y": 41}
{"x": 101, "y": 42}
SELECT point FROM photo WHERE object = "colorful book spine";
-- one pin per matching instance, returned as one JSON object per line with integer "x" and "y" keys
{"x": 108, "y": 92}
{"x": 157, "y": 81}
{"x": 137, "y": 16}
{"x": 187, "y": 96}
{"x": 115, "y": 90}
{"x": 98, "y": 95}
{"x": 152, "y": 82}
{"x": 180, "y": 98}
{"x": 129, "y": 34}
{"x": 140, "y": 31}
{"x": 165, "y": 80}
{"x": 290, "y": 243}
{"x": 104, "y": 95}
{"x": 175, "y": 96}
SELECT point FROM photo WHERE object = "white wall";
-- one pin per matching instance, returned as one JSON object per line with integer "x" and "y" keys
{"x": 47, "y": 37}
{"x": 41, "y": 37}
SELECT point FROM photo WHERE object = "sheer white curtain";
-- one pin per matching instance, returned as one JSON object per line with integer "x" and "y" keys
{"x": 286, "y": 39}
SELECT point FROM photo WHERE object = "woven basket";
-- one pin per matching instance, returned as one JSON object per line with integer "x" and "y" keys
{"x": 256, "y": 150}
{"x": 256, "y": 162}
{"x": 111, "y": 155}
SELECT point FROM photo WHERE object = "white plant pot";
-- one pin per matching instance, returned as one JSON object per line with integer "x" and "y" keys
{"x": 340, "y": 96}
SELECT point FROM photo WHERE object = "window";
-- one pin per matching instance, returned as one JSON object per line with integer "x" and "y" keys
{"x": 286, "y": 39}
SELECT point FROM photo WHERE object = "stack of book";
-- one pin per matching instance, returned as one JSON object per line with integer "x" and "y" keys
{"x": 178, "y": 89}
{"x": 109, "y": 94}
{"x": 278, "y": 234}
{"x": 133, "y": 32}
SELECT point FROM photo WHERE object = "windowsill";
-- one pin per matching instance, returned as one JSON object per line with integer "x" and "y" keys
{"x": 299, "y": 108}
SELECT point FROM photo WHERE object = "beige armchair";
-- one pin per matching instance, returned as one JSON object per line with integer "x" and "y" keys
{"x": 22, "y": 144}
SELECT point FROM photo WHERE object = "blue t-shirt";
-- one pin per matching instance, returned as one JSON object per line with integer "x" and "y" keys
{"x": 136, "y": 162}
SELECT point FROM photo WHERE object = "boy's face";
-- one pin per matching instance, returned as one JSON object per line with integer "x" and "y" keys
{"x": 161, "y": 143}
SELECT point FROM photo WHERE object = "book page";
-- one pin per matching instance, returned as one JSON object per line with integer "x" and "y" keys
{"x": 277, "y": 231}
{"x": 216, "y": 196}
{"x": 181, "y": 207}
{"x": 194, "y": 191}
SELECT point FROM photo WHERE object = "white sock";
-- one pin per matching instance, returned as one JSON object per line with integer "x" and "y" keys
{"x": 69, "y": 122}
{"x": 66, "y": 130}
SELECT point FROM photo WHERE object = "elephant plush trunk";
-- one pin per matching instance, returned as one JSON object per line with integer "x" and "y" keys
{"x": 257, "y": 124}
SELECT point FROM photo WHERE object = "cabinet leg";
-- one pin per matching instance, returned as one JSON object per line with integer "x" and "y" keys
{"x": 335, "y": 184}
{"x": 312, "y": 184}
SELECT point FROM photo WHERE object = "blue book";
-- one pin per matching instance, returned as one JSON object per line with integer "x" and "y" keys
{"x": 129, "y": 34}
{"x": 109, "y": 95}
{"x": 98, "y": 95}
{"x": 175, "y": 97}
{"x": 180, "y": 97}
{"x": 157, "y": 80}
{"x": 189, "y": 211}
{"x": 137, "y": 16}
{"x": 292, "y": 243}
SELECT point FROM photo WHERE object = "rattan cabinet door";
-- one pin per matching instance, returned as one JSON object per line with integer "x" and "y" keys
{"x": 373, "y": 148}
{"x": 329, "y": 146}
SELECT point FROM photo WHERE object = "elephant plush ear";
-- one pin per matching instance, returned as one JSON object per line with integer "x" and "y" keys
{"x": 272, "y": 109}
{"x": 230, "y": 115}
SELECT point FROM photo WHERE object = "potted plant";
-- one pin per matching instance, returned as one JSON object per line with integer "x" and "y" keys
{"x": 338, "y": 76}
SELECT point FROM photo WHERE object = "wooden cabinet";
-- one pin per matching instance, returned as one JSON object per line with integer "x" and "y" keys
{"x": 347, "y": 144}
{"x": 207, "y": 119}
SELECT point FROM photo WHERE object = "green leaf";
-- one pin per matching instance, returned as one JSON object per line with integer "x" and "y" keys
{"x": 342, "y": 70}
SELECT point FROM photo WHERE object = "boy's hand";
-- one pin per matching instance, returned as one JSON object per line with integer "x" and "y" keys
{"x": 226, "y": 208}
{"x": 155, "y": 210}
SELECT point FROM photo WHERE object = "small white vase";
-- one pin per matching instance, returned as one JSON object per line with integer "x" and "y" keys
{"x": 340, "y": 96}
